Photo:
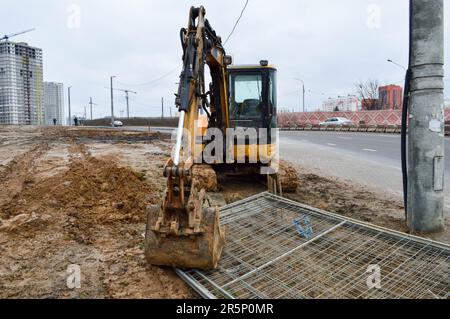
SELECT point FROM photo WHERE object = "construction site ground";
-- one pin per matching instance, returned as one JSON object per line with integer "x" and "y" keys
{"x": 74, "y": 196}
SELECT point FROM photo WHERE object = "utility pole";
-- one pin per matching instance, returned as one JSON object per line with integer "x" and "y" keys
{"x": 112, "y": 102}
{"x": 70, "y": 111}
{"x": 303, "y": 92}
{"x": 127, "y": 97}
{"x": 304, "y": 110}
{"x": 91, "y": 103}
{"x": 162, "y": 107}
{"x": 425, "y": 205}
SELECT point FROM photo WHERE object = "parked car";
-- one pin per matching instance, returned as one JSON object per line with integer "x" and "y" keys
{"x": 118, "y": 124}
{"x": 336, "y": 121}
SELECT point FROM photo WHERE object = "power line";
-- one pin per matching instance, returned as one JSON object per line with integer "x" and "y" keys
{"x": 237, "y": 22}
{"x": 148, "y": 105}
{"x": 152, "y": 82}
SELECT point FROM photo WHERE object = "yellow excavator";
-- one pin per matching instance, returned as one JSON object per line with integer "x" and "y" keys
{"x": 185, "y": 230}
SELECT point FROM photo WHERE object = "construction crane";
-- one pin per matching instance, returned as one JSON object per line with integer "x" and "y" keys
{"x": 127, "y": 97}
{"x": 7, "y": 37}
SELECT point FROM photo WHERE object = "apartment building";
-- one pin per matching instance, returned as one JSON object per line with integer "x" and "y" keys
{"x": 21, "y": 84}
{"x": 54, "y": 103}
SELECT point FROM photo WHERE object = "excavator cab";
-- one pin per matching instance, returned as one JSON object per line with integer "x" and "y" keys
{"x": 253, "y": 105}
{"x": 253, "y": 96}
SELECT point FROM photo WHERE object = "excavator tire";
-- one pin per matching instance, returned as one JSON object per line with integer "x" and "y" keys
{"x": 201, "y": 251}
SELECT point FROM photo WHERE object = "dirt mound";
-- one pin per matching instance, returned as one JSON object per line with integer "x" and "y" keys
{"x": 288, "y": 177}
{"x": 92, "y": 192}
{"x": 117, "y": 193}
{"x": 89, "y": 212}
{"x": 15, "y": 176}
{"x": 107, "y": 135}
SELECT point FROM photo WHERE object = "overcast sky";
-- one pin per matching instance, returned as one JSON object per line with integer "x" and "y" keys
{"x": 329, "y": 44}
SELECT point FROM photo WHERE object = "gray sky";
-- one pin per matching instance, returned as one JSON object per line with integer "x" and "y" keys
{"x": 329, "y": 44}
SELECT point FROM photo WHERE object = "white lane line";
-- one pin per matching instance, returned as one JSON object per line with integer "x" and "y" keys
{"x": 369, "y": 150}
{"x": 331, "y": 144}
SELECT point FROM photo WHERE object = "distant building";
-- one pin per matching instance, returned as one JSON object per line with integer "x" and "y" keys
{"x": 21, "y": 84}
{"x": 54, "y": 103}
{"x": 348, "y": 103}
{"x": 390, "y": 97}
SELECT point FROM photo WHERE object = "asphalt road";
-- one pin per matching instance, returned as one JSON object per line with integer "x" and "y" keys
{"x": 370, "y": 160}
{"x": 384, "y": 149}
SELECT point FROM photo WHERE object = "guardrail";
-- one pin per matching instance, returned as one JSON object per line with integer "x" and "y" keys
{"x": 382, "y": 129}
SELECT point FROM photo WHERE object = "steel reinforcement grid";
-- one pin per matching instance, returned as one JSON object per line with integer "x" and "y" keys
{"x": 277, "y": 248}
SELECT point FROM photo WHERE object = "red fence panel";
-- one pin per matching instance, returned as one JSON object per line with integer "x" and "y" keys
{"x": 363, "y": 117}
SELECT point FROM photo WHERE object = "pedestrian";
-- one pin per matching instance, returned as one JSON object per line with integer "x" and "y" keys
{"x": 75, "y": 120}
{"x": 54, "y": 122}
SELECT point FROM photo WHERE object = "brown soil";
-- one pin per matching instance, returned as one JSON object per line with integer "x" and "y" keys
{"x": 75, "y": 197}
{"x": 91, "y": 214}
{"x": 339, "y": 197}
{"x": 330, "y": 195}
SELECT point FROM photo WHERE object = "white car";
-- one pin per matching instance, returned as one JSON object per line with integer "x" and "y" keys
{"x": 336, "y": 121}
{"x": 118, "y": 124}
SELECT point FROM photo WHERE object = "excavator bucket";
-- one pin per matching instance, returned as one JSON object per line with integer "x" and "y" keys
{"x": 199, "y": 251}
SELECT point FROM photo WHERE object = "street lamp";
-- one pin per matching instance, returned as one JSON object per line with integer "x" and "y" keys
{"x": 397, "y": 64}
{"x": 112, "y": 101}
{"x": 303, "y": 91}
{"x": 70, "y": 112}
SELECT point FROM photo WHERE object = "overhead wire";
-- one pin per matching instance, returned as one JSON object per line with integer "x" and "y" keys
{"x": 237, "y": 22}
{"x": 152, "y": 82}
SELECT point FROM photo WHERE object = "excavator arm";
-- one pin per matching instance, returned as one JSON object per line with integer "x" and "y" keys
{"x": 185, "y": 231}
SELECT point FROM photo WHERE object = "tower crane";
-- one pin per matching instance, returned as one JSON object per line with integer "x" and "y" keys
{"x": 7, "y": 37}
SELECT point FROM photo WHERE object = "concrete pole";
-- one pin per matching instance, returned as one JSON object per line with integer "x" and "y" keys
{"x": 304, "y": 98}
{"x": 127, "y": 97}
{"x": 70, "y": 111}
{"x": 162, "y": 107}
{"x": 112, "y": 102}
{"x": 90, "y": 103}
{"x": 425, "y": 211}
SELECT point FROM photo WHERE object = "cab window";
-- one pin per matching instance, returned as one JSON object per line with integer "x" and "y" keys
{"x": 246, "y": 96}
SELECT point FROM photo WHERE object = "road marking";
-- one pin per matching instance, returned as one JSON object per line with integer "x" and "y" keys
{"x": 369, "y": 150}
{"x": 331, "y": 144}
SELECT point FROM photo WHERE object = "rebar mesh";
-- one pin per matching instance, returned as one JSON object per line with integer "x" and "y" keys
{"x": 266, "y": 256}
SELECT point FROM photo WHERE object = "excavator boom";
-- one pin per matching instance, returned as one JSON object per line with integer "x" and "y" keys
{"x": 185, "y": 231}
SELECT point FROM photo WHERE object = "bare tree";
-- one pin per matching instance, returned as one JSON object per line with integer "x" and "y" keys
{"x": 368, "y": 92}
